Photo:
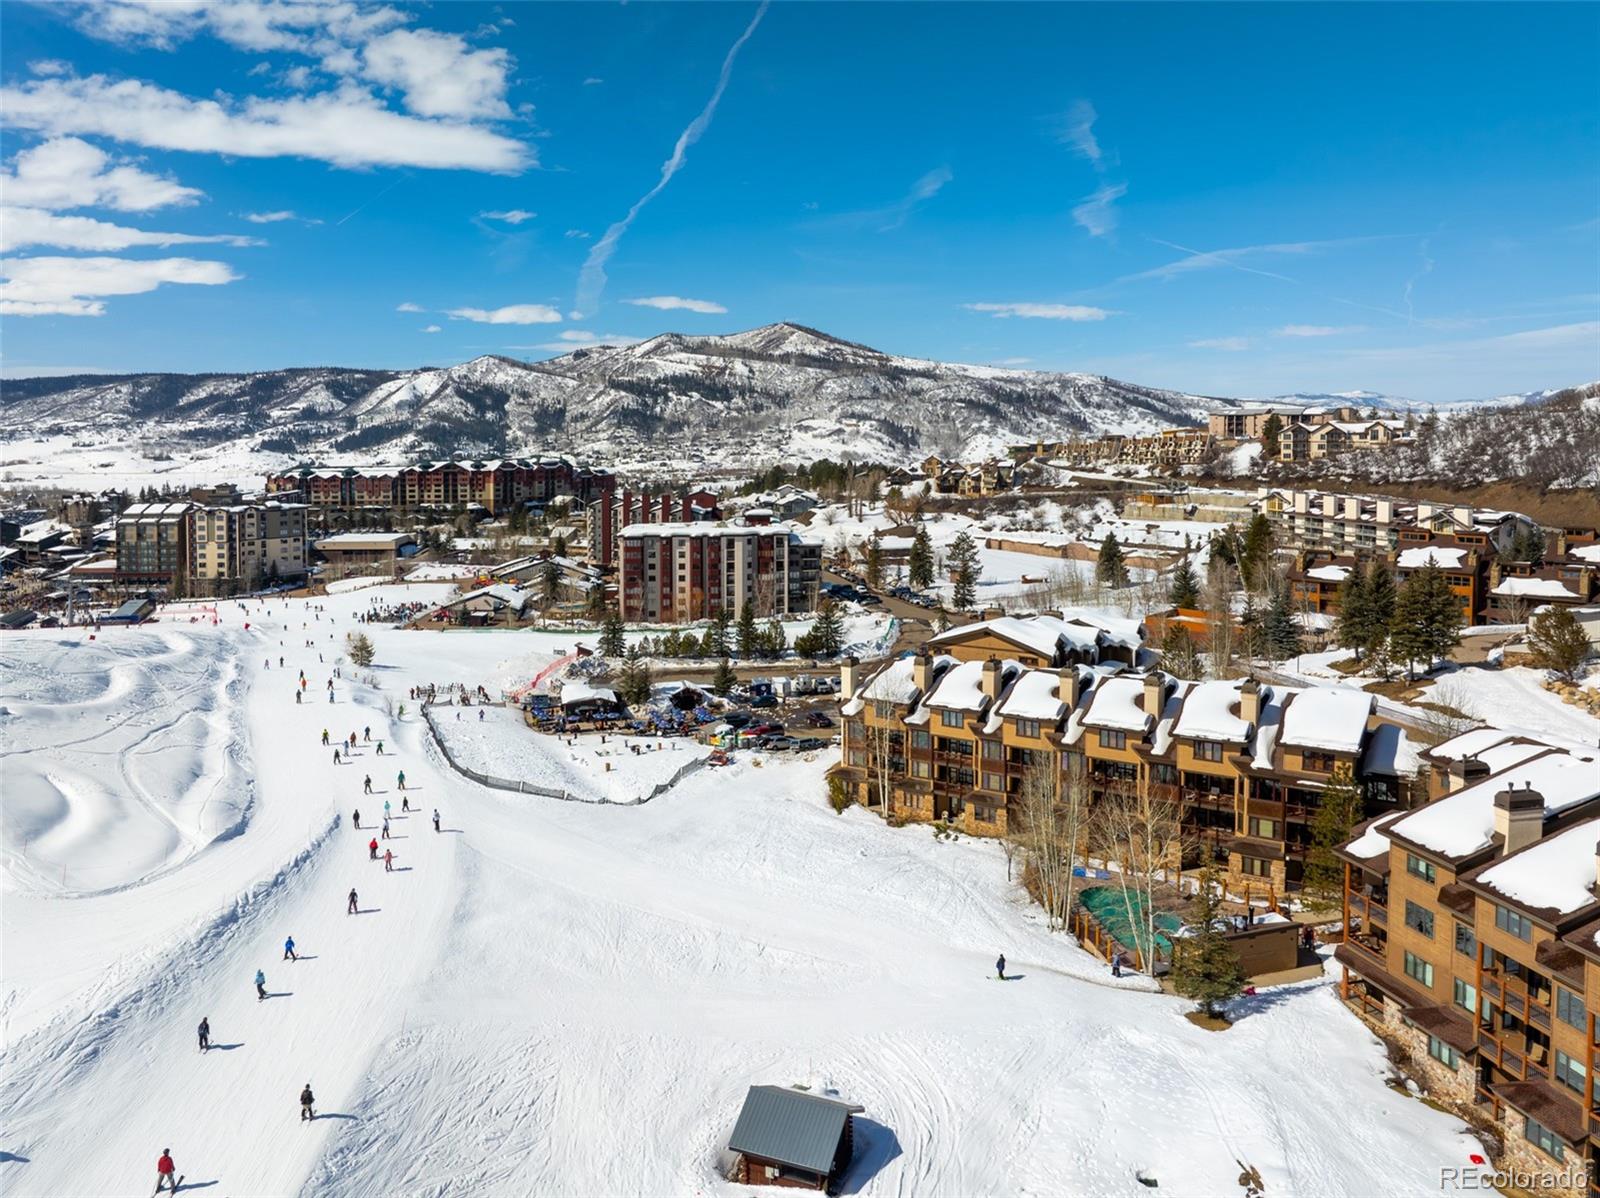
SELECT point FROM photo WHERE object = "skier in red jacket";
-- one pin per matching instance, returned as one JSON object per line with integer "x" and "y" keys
{"x": 166, "y": 1172}
{"x": 372, "y": 848}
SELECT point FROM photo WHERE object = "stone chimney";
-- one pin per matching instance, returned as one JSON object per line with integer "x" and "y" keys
{"x": 1518, "y": 818}
{"x": 1250, "y": 702}
{"x": 1384, "y": 513}
{"x": 1464, "y": 773}
{"x": 1069, "y": 688}
{"x": 922, "y": 671}
{"x": 847, "y": 677}
{"x": 991, "y": 679}
{"x": 1155, "y": 689}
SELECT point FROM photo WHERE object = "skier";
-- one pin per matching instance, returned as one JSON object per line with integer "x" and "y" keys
{"x": 372, "y": 849}
{"x": 386, "y": 809}
{"x": 352, "y": 908}
{"x": 1000, "y": 967}
{"x": 166, "y": 1172}
{"x": 306, "y": 1099}
{"x": 435, "y": 819}
{"x": 386, "y": 827}
{"x": 297, "y": 696}
{"x": 355, "y": 817}
{"x": 330, "y": 694}
{"x": 366, "y": 733}
{"x": 336, "y": 757}
{"x": 352, "y": 740}
{"x": 388, "y": 861}
{"x": 480, "y": 713}
{"x": 280, "y": 662}
{"x": 324, "y": 738}
{"x": 405, "y": 804}
{"x": 380, "y": 748}
{"x": 288, "y": 950}
{"x": 402, "y": 779}
{"x": 366, "y": 785}
{"x": 1116, "y": 964}
{"x": 205, "y": 1033}
{"x": 261, "y": 985}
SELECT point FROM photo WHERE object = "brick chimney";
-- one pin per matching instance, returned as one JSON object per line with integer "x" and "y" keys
{"x": 1155, "y": 686}
{"x": 847, "y": 677}
{"x": 1250, "y": 702}
{"x": 991, "y": 679}
{"x": 1464, "y": 773}
{"x": 1069, "y": 688}
{"x": 1518, "y": 818}
{"x": 922, "y": 672}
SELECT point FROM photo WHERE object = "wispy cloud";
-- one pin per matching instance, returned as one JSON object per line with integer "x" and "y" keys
{"x": 888, "y": 217}
{"x": 21, "y": 227}
{"x": 511, "y": 216}
{"x": 408, "y": 306}
{"x": 671, "y": 303}
{"x": 593, "y": 81}
{"x": 269, "y": 218}
{"x": 1425, "y": 267}
{"x": 1077, "y": 131}
{"x": 592, "y": 278}
{"x": 1583, "y": 336}
{"x": 578, "y": 234}
{"x": 1012, "y": 361}
{"x": 1236, "y": 258}
{"x": 572, "y": 339}
{"x": 1073, "y": 312}
{"x": 1317, "y": 330}
{"x": 1226, "y": 344}
{"x": 511, "y": 314}
{"x": 432, "y": 328}
{"x": 1096, "y": 213}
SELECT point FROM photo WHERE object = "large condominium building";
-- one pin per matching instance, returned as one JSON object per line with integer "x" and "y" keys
{"x": 153, "y": 542}
{"x": 496, "y": 485}
{"x": 953, "y": 733}
{"x": 617, "y": 510}
{"x": 244, "y": 546}
{"x": 1367, "y": 523}
{"x": 1473, "y": 943}
{"x": 673, "y": 573}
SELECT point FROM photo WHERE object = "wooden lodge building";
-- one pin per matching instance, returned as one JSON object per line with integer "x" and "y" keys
{"x": 1473, "y": 943}
{"x": 788, "y": 1137}
{"x": 952, "y": 733}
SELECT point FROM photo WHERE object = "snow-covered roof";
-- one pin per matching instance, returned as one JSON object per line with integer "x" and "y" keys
{"x": 1331, "y": 718}
{"x": 1119, "y": 630}
{"x": 1390, "y": 751}
{"x": 1469, "y": 744}
{"x": 358, "y": 540}
{"x": 1117, "y": 704}
{"x": 1536, "y": 588}
{"x": 1586, "y": 553}
{"x": 1557, "y": 873}
{"x": 1419, "y": 556}
{"x": 961, "y": 686}
{"x": 1329, "y": 573}
{"x": 895, "y": 683}
{"x": 708, "y": 528}
{"x": 1460, "y": 824}
{"x": 1373, "y": 842}
{"x": 1041, "y": 634}
{"x": 575, "y": 690}
{"x": 1033, "y": 697}
{"x": 513, "y": 597}
{"x": 1161, "y": 738}
{"x": 1211, "y": 713}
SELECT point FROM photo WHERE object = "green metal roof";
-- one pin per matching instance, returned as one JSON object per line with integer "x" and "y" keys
{"x": 791, "y": 1127}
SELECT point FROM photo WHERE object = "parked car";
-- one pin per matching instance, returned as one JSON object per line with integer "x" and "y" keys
{"x": 818, "y": 719}
{"x": 763, "y": 729}
{"x": 806, "y": 743}
{"x": 764, "y": 701}
{"x": 777, "y": 744}
{"x": 738, "y": 719}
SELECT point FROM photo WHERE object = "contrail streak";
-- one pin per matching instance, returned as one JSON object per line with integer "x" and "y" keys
{"x": 592, "y": 278}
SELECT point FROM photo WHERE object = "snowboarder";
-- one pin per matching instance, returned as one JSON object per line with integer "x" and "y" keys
{"x": 205, "y": 1033}
{"x": 306, "y": 1099}
{"x": 1000, "y": 967}
{"x": 402, "y": 779}
{"x": 388, "y": 861}
{"x": 166, "y": 1172}
{"x": 435, "y": 819}
{"x": 366, "y": 785}
{"x": 288, "y": 950}
{"x": 372, "y": 849}
{"x": 1116, "y": 964}
{"x": 324, "y": 738}
{"x": 352, "y": 908}
{"x": 261, "y": 985}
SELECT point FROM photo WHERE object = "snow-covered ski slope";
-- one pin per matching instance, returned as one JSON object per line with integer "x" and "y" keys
{"x": 566, "y": 998}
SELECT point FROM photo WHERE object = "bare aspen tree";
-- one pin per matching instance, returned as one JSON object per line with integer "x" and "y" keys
{"x": 1047, "y": 817}
{"x": 1142, "y": 834}
{"x": 880, "y": 763}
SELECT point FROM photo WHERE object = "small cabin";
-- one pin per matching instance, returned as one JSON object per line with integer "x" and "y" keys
{"x": 788, "y": 1137}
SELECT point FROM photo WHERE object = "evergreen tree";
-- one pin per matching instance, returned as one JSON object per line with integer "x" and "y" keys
{"x": 1279, "y": 630}
{"x": 559, "y": 546}
{"x": 1427, "y": 619}
{"x": 1380, "y": 601}
{"x": 724, "y": 680}
{"x": 719, "y": 639}
{"x": 1559, "y": 642}
{"x": 633, "y": 685}
{"x": 1185, "y": 588}
{"x": 1256, "y": 555}
{"x": 829, "y": 629}
{"x": 1354, "y": 629}
{"x": 597, "y": 602}
{"x": 1250, "y": 634}
{"x": 1271, "y": 430}
{"x": 748, "y": 637}
{"x": 963, "y": 561}
{"x": 550, "y": 582}
{"x": 612, "y": 643}
{"x": 774, "y": 640}
{"x": 1111, "y": 567}
{"x": 1205, "y": 966}
{"x": 1179, "y": 656}
{"x": 920, "y": 566}
{"x": 359, "y": 646}
{"x": 874, "y": 563}
{"x": 1338, "y": 812}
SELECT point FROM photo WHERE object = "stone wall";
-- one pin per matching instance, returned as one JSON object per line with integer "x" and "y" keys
{"x": 1522, "y": 1156}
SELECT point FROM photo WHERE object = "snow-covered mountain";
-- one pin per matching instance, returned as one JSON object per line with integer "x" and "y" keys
{"x": 782, "y": 391}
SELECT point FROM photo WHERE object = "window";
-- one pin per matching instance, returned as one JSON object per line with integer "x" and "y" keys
{"x": 1256, "y": 867}
{"x": 1208, "y": 750}
{"x": 882, "y": 708}
{"x": 1419, "y": 919}
{"x": 921, "y": 769}
{"x": 1570, "y": 1073}
{"x": 1509, "y": 921}
{"x": 1466, "y": 996}
{"x": 994, "y": 781}
{"x": 1267, "y": 829}
{"x": 1466, "y": 941}
{"x": 983, "y": 813}
{"x": 1321, "y": 763}
{"x": 1442, "y": 1052}
{"x": 1419, "y": 970}
{"x": 1417, "y": 867}
{"x": 993, "y": 750}
{"x": 1027, "y": 727}
{"x": 1569, "y": 1009}
{"x": 921, "y": 739}
{"x": 951, "y": 719}
{"x": 1113, "y": 740}
{"x": 1537, "y": 1133}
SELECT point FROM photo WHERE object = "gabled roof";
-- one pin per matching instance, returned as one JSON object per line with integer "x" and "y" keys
{"x": 791, "y": 1127}
{"x": 1461, "y": 824}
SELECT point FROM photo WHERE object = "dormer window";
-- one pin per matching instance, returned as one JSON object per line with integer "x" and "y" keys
{"x": 1208, "y": 750}
{"x": 1113, "y": 740}
{"x": 951, "y": 719}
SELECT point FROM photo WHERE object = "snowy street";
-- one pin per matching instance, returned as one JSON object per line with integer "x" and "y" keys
{"x": 566, "y": 998}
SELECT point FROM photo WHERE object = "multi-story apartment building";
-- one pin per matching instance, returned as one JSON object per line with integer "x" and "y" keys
{"x": 1368, "y": 524}
{"x": 618, "y": 510}
{"x": 1304, "y": 440}
{"x": 1470, "y": 943}
{"x": 1169, "y": 447}
{"x": 1517, "y": 588}
{"x": 951, "y": 733}
{"x": 153, "y": 542}
{"x": 1317, "y": 574}
{"x": 679, "y": 572}
{"x": 243, "y": 546}
{"x": 495, "y": 485}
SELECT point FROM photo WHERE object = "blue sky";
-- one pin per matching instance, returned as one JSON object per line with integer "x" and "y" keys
{"x": 1237, "y": 200}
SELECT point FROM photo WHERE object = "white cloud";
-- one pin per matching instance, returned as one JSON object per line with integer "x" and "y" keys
{"x": 670, "y": 303}
{"x": 572, "y": 339}
{"x": 593, "y": 81}
{"x": 1012, "y": 361}
{"x": 20, "y": 227}
{"x": 1317, "y": 330}
{"x": 347, "y": 126}
{"x": 1096, "y": 213}
{"x": 438, "y": 74}
{"x": 433, "y": 328}
{"x": 1074, "y": 312}
{"x": 408, "y": 306}
{"x": 1233, "y": 259}
{"x": 76, "y": 286}
{"x": 283, "y": 214}
{"x": 891, "y": 216}
{"x": 1491, "y": 351}
{"x": 592, "y": 278}
{"x": 1231, "y": 345}
{"x": 308, "y": 28}
{"x": 512, "y": 216}
{"x": 1077, "y": 130}
{"x": 578, "y": 234}
{"x": 512, "y": 314}
{"x": 68, "y": 172}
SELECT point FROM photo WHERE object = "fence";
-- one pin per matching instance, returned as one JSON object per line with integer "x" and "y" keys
{"x": 550, "y": 792}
